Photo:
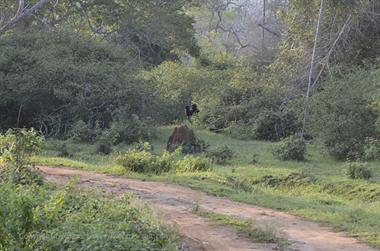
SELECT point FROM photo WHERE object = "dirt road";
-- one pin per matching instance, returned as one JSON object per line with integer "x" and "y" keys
{"x": 175, "y": 203}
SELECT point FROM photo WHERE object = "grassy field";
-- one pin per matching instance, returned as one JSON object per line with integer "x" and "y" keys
{"x": 316, "y": 189}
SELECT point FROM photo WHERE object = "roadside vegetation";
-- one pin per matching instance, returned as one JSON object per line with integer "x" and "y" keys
{"x": 38, "y": 216}
{"x": 320, "y": 188}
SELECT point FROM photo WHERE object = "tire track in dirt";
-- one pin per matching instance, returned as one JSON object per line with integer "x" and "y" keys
{"x": 175, "y": 203}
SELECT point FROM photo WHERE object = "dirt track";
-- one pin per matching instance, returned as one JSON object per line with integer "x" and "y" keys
{"x": 175, "y": 203}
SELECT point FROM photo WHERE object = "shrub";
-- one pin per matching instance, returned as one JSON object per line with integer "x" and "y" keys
{"x": 371, "y": 149}
{"x": 34, "y": 218}
{"x": 105, "y": 140}
{"x": 193, "y": 164}
{"x": 291, "y": 148}
{"x": 145, "y": 162}
{"x": 16, "y": 148}
{"x": 220, "y": 155}
{"x": 83, "y": 132}
{"x": 266, "y": 125}
{"x": 357, "y": 170}
{"x": 133, "y": 129}
{"x": 273, "y": 126}
{"x": 345, "y": 113}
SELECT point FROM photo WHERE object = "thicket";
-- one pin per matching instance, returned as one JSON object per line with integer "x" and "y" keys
{"x": 347, "y": 115}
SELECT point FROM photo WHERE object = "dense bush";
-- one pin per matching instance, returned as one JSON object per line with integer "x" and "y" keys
{"x": 131, "y": 129}
{"x": 273, "y": 126}
{"x": 33, "y": 218}
{"x": 371, "y": 149}
{"x": 142, "y": 161}
{"x": 83, "y": 132}
{"x": 61, "y": 81}
{"x": 291, "y": 148}
{"x": 16, "y": 148}
{"x": 357, "y": 170}
{"x": 220, "y": 155}
{"x": 193, "y": 164}
{"x": 346, "y": 113}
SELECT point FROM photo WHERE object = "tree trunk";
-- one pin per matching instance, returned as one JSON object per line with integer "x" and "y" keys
{"x": 310, "y": 82}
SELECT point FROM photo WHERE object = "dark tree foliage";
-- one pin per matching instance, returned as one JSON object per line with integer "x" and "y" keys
{"x": 49, "y": 80}
{"x": 154, "y": 30}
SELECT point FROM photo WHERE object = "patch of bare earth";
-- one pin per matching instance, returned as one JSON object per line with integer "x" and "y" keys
{"x": 175, "y": 204}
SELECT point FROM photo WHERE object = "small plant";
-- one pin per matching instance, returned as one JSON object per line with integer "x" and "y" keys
{"x": 357, "y": 170}
{"x": 16, "y": 148}
{"x": 221, "y": 155}
{"x": 291, "y": 148}
{"x": 193, "y": 164}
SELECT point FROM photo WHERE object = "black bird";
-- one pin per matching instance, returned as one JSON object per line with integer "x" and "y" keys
{"x": 191, "y": 111}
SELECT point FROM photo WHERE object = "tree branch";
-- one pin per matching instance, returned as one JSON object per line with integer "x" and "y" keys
{"x": 22, "y": 13}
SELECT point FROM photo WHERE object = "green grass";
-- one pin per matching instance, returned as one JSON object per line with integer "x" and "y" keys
{"x": 322, "y": 194}
{"x": 254, "y": 232}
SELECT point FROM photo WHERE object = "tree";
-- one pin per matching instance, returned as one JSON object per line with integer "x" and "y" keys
{"x": 23, "y": 12}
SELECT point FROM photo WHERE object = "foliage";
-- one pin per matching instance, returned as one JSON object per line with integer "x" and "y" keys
{"x": 82, "y": 132}
{"x": 357, "y": 170}
{"x": 142, "y": 161}
{"x": 291, "y": 148}
{"x": 316, "y": 189}
{"x": 142, "y": 146}
{"x": 16, "y": 148}
{"x": 193, "y": 164}
{"x": 132, "y": 129}
{"x": 106, "y": 140}
{"x": 345, "y": 113}
{"x": 371, "y": 149}
{"x": 178, "y": 85}
{"x": 58, "y": 80}
{"x": 33, "y": 218}
{"x": 220, "y": 155}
